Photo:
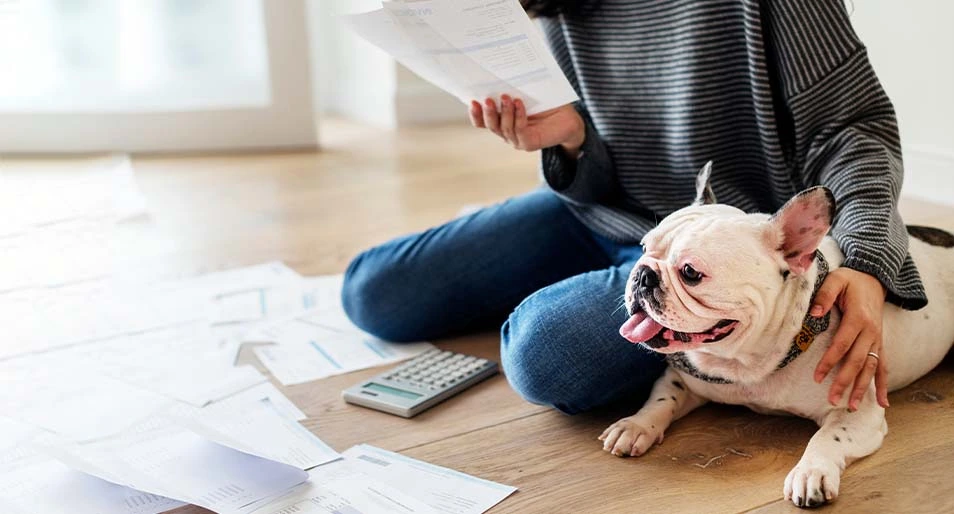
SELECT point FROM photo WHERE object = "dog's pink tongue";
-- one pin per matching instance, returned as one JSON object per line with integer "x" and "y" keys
{"x": 640, "y": 328}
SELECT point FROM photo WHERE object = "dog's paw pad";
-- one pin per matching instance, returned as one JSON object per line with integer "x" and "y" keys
{"x": 812, "y": 484}
{"x": 629, "y": 437}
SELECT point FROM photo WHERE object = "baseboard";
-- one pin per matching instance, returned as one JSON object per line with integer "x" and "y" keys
{"x": 929, "y": 174}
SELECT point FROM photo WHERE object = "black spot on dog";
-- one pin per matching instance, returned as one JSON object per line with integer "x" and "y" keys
{"x": 785, "y": 274}
{"x": 844, "y": 429}
{"x": 673, "y": 398}
{"x": 837, "y": 439}
{"x": 679, "y": 385}
{"x": 660, "y": 399}
{"x": 932, "y": 236}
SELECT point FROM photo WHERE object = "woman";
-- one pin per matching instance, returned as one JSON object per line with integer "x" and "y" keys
{"x": 779, "y": 94}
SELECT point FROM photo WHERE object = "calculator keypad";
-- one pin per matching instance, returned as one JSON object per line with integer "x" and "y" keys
{"x": 437, "y": 369}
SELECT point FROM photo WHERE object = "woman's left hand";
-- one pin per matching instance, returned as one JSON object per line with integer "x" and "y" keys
{"x": 861, "y": 298}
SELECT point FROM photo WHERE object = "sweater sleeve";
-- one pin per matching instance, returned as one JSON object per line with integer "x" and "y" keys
{"x": 845, "y": 137}
{"x": 588, "y": 178}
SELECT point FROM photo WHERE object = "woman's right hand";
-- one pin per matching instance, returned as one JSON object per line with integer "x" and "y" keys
{"x": 561, "y": 126}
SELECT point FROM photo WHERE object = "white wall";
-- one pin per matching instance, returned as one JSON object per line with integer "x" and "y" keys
{"x": 358, "y": 81}
{"x": 912, "y": 49}
{"x": 354, "y": 79}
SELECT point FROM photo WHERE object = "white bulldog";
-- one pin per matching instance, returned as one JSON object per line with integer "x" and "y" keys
{"x": 725, "y": 296}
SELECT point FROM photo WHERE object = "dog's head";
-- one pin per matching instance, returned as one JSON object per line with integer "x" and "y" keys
{"x": 714, "y": 278}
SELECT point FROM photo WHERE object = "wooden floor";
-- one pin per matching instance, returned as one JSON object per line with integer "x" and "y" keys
{"x": 316, "y": 210}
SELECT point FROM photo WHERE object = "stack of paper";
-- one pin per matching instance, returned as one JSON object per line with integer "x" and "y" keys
{"x": 473, "y": 49}
{"x": 121, "y": 396}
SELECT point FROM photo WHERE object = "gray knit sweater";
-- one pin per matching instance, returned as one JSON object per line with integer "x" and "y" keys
{"x": 778, "y": 93}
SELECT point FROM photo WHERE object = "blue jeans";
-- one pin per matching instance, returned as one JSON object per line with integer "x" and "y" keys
{"x": 528, "y": 263}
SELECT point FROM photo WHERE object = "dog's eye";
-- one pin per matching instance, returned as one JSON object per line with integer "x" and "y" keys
{"x": 690, "y": 274}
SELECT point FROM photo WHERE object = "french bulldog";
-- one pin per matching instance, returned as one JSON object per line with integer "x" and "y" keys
{"x": 725, "y": 296}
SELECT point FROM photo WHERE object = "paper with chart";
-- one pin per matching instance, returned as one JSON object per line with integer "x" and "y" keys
{"x": 184, "y": 363}
{"x": 339, "y": 488}
{"x": 257, "y": 427}
{"x": 445, "y": 490}
{"x": 307, "y": 350}
{"x": 472, "y": 49}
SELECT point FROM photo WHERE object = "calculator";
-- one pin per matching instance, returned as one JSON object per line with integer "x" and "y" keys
{"x": 420, "y": 383}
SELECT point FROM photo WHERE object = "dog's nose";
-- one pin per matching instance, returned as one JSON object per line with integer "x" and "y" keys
{"x": 646, "y": 279}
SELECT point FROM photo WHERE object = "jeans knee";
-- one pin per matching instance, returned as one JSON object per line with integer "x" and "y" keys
{"x": 368, "y": 297}
{"x": 534, "y": 370}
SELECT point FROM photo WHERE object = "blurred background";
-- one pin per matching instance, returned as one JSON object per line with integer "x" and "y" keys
{"x": 225, "y": 75}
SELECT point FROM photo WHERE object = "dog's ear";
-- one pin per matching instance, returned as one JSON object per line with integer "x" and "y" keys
{"x": 799, "y": 227}
{"x": 704, "y": 194}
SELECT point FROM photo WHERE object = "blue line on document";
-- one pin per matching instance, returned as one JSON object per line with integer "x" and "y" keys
{"x": 479, "y": 46}
{"x": 324, "y": 354}
{"x": 376, "y": 349}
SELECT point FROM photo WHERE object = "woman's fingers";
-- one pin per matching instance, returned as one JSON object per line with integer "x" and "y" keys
{"x": 852, "y": 366}
{"x": 869, "y": 367}
{"x": 509, "y": 121}
{"x": 520, "y": 124}
{"x": 881, "y": 381}
{"x": 476, "y": 114}
{"x": 491, "y": 117}
{"x": 506, "y": 119}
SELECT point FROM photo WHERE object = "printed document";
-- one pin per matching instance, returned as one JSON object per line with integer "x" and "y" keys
{"x": 337, "y": 488}
{"x": 161, "y": 458}
{"x": 307, "y": 351}
{"x": 35, "y": 483}
{"x": 472, "y": 49}
{"x": 445, "y": 490}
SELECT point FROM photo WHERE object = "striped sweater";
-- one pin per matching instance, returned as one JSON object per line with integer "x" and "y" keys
{"x": 778, "y": 93}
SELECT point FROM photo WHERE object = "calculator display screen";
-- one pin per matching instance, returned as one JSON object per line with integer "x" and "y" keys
{"x": 391, "y": 390}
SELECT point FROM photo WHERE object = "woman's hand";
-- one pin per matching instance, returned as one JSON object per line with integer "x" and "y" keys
{"x": 861, "y": 299}
{"x": 561, "y": 126}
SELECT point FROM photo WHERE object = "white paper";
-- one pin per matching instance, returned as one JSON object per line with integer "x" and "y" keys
{"x": 307, "y": 352}
{"x": 337, "y": 488}
{"x": 278, "y": 401}
{"x": 49, "y": 392}
{"x": 256, "y": 427}
{"x": 445, "y": 490}
{"x": 97, "y": 188}
{"x": 37, "y": 320}
{"x": 166, "y": 460}
{"x": 58, "y": 254}
{"x": 471, "y": 48}
{"x": 36, "y": 483}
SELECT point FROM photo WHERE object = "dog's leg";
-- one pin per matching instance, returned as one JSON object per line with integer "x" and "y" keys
{"x": 669, "y": 401}
{"x": 842, "y": 438}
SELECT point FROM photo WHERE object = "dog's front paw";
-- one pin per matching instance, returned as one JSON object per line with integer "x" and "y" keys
{"x": 812, "y": 482}
{"x": 630, "y": 436}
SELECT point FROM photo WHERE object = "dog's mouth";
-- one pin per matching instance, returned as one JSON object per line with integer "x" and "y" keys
{"x": 642, "y": 328}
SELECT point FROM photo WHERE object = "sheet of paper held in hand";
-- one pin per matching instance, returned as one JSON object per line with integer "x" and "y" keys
{"x": 472, "y": 49}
